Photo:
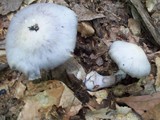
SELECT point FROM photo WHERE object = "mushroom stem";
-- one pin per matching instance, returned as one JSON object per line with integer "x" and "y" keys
{"x": 95, "y": 81}
{"x": 119, "y": 75}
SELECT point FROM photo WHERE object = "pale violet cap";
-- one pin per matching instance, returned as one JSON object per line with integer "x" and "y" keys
{"x": 130, "y": 58}
{"x": 40, "y": 36}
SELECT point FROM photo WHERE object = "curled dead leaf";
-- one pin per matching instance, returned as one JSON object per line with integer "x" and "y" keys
{"x": 150, "y": 4}
{"x": 85, "y": 29}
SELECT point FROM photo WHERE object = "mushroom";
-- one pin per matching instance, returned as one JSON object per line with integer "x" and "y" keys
{"x": 130, "y": 59}
{"x": 40, "y": 36}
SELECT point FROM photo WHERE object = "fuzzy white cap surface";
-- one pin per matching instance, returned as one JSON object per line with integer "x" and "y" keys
{"x": 130, "y": 58}
{"x": 40, "y": 36}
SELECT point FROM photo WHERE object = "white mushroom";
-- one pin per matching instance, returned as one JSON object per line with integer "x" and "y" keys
{"x": 40, "y": 36}
{"x": 130, "y": 59}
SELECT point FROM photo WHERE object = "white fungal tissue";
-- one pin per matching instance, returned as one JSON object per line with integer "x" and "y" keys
{"x": 130, "y": 58}
{"x": 40, "y": 36}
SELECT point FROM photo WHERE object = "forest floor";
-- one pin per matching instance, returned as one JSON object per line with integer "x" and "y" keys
{"x": 63, "y": 96}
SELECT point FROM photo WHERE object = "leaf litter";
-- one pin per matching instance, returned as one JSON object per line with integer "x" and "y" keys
{"x": 64, "y": 95}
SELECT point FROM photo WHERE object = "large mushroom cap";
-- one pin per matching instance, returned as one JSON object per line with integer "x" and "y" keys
{"x": 130, "y": 58}
{"x": 40, "y": 36}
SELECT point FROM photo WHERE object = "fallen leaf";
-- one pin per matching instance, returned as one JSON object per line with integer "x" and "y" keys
{"x": 132, "y": 89}
{"x": 134, "y": 26}
{"x": 150, "y": 4}
{"x": 20, "y": 89}
{"x": 75, "y": 68}
{"x": 4, "y": 23}
{"x": 85, "y": 14}
{"x": 156, "y": 18}
{"x": 157, "y": 83}
{"x": 60, "y": 2}
{"x": 121, "y": 113}
{"x": 141, "y": 104}
{"x": 148, "y": 84}
{"x": 30, "y": 111}
{"x": 97, "y": 114}
{"x": 68, "y": 98}
{"x": 7, "y": 6}
{"x": 152, "y": 114}
{"x": 100, "y": 95}
{"x": 43, "y": 96}
{"x": 85, "y": 29}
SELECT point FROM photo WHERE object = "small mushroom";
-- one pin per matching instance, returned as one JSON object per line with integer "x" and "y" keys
{"x": 40, "y": 36}
{"x": 130, "y": 59}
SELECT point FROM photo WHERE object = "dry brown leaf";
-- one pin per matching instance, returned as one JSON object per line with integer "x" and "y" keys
{"x": 41, "y": 100}
{"x": 70, "y": 102}
{"x": 85, "y": 14}
{"x": 68, "y": 98}
{"x": 3, "y": 59}
{"x": 34, "y": 89}
{"x": 20, "y": 89}
{"x": 72, "y": 111}
{"x": 4, "y": 86}
{"x": 132, "y": 89}
{"x": 121, "y": 113}
{"x": 7, "y": 6}
{"x": 156, "y": 18}
{"x": 152, "y": 114}
{"x": 75, "y": 68}
{"x": 120, "y": 33}
{"x": 150, "y": 4}
{"x": 4, "y": 23}
{"x": 60, "y": 2}
{"x": 43, "y": 96}
{"x": 134, "y": 26}
{"x": 85, "y": 29}
{"x": 30, "y": 111}
{"x": 157, "y": 61}
{"x": 100, "y": 95}
{"x": 141, "y": 104}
